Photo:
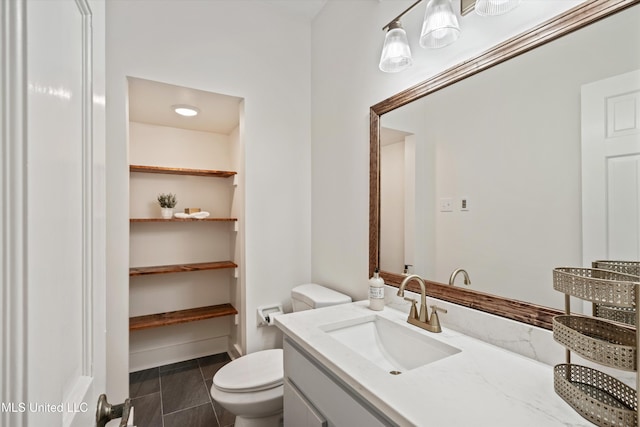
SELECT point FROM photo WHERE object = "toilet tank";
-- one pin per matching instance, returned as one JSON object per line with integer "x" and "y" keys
{"x": 311, "y": 295}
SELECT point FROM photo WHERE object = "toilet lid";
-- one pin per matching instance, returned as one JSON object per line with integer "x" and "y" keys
{"x": 318, "y": 296}
{"x": 257, "y": 371}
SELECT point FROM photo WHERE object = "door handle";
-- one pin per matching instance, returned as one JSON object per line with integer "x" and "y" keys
{"x": 106, "y": 412}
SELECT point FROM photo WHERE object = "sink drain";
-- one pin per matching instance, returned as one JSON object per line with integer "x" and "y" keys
{"x": 395, "y": 372}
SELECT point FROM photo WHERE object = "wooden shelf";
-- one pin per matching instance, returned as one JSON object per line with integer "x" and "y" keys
{"x": 180, "y": 316}
{"x": 181, "y": 268}
{"x": 182, "y": 219}
{"x": 181, "y": 171}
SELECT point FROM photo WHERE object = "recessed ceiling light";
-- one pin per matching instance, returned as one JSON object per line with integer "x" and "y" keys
{"x": 185, "y": 110}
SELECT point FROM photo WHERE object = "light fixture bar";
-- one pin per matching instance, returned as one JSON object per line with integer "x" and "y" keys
{"x": 397, "y": 18}
{"x": 467, "y": 6}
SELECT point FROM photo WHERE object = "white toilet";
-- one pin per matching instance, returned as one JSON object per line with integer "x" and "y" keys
{"x": 251, "y": 387}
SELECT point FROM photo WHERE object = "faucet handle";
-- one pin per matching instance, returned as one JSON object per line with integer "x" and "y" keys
{"x": 413, "y": 313}
{"x": 436, "y": 309}
{"x": 434, "y": 320}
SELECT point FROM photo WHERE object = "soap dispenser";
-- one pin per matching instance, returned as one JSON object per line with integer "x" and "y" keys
{"x": 376, "y": 292}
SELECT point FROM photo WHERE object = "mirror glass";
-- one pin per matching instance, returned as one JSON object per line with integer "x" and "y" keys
{"x": 486, "y": 174}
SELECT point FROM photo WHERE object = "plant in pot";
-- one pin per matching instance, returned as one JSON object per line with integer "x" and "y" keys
{"x": 167, "y": 203}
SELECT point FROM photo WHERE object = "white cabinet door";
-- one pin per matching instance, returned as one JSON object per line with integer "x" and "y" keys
{"x": 299, "y": 412}
{"x": 332, "y": 401}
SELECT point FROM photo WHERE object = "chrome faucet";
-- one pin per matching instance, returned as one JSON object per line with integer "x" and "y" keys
{"x": 452, "y": 278}
{"x": 422, "y": 320}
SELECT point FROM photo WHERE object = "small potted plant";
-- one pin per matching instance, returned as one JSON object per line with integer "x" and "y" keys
{"x": 167, "y": 203}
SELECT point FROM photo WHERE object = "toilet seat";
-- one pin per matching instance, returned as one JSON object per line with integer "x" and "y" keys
{"x": 262, "y": 370}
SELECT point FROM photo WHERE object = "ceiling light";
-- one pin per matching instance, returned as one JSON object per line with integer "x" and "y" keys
{"x": 185, "y": 110}
{"x": 396, "y": 54}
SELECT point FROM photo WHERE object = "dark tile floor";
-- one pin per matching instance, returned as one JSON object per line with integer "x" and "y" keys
{"x": 177, "y": 395}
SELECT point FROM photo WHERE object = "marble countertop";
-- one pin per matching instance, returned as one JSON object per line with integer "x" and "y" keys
{"x": 482, "y": 385}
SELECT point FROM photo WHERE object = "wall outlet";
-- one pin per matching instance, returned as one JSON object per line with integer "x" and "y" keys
{"x": 446, "y": 204}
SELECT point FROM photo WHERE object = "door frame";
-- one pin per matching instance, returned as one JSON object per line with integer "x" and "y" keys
{"x": 13, "y": 263}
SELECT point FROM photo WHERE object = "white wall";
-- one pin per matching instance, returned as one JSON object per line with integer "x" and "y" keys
{"x": 176, "y": 147}
{"x": 240, "y": 48}
{"x": 398, "y": 206}
{"x": 347, "y": 40}
{"x": 238, "y": 337}
{"x": 392, "y": 206}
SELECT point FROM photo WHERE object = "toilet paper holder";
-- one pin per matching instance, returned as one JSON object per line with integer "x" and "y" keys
{"x": 267, "y": 314}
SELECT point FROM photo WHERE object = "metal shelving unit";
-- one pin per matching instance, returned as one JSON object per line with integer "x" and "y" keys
{"x": 597, "y": 396}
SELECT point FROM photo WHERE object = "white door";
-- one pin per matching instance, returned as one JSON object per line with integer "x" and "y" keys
{"x": 53, "y": 212}
{"x": 611, "y": 169}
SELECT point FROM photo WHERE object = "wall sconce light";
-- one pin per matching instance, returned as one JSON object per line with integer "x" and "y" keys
{"x": 396, "y": 54}
{"x": 439, "y": 28}
{"x": 494, "y": 7}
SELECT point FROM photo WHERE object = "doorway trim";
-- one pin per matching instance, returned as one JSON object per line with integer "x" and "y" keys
{"x": 13, "y": 109}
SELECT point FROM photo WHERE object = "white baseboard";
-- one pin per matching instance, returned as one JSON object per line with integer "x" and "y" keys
{"x": 159, "y": 356}
{"x": 235, "y": 351}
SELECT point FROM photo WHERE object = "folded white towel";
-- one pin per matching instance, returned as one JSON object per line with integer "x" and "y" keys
{"x": 197, "y": 215}
{"x": 200, "y": 215}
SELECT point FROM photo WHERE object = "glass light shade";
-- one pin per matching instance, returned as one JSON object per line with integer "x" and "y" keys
{"x": 495, "y": 7}
{"x": 440, "y": 27}
{"x": 396, "y": 54}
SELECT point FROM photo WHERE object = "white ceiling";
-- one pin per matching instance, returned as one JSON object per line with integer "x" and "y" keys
{"x": 150, "y": 102}
{"x": 391, "y": 136}
{"x": 306, "y": 8}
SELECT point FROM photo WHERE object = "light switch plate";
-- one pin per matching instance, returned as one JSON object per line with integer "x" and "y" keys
{"x": 446, "y": 204}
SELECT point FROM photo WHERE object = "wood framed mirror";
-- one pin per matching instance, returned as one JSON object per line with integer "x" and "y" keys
{"x": 581, "y": 16}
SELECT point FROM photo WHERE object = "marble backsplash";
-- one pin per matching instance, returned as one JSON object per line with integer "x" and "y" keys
{"x": 527, "y": 340}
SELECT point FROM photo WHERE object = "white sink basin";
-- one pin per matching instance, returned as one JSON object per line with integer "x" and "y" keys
{"x": 393, "y": 347}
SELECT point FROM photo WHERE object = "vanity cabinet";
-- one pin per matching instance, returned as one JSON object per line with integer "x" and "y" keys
{"x": 597, "y": 396}
{"x": 313, "y": 396}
